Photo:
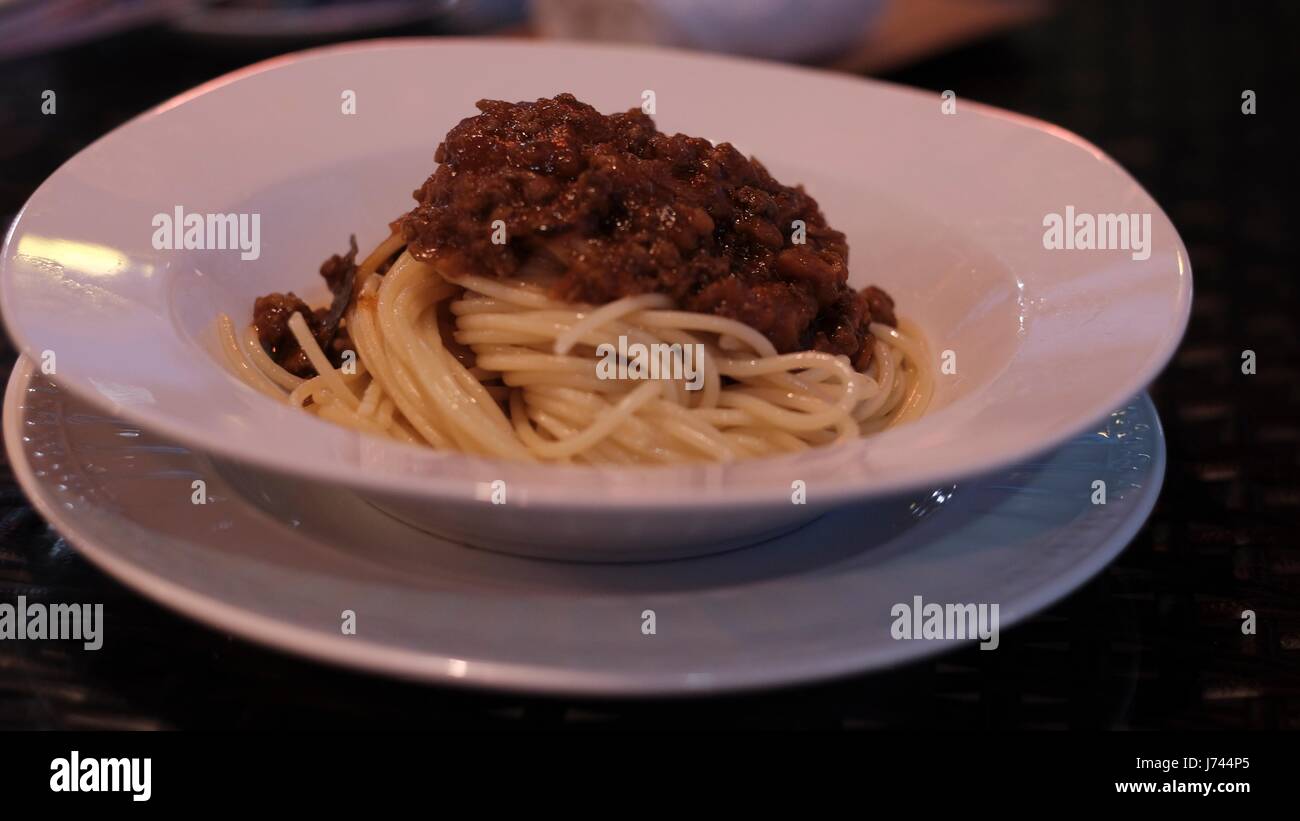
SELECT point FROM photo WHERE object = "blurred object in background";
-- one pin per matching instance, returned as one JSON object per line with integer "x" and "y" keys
{"x": 775, "y": 29}
{"x": 852, "y": 35}
{"x": 863, "y": 36}
{"x": 482, "y": 16}
{"x": 303, "y": 19}
{"x": 33, "y": 26}
{"x": 914, "y": 30}
{"x": 278, "y": 19}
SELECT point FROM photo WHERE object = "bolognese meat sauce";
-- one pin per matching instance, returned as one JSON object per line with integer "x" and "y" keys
{"x": 271, "y": 318}
{"x": 621, "y": 209}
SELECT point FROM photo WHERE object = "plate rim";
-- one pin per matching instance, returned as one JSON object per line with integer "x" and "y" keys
{"x": 522, "y": 677}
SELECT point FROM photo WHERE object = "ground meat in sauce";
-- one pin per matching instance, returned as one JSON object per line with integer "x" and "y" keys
{"x": 271, "y": 319}
{"x": 627, "y": 210}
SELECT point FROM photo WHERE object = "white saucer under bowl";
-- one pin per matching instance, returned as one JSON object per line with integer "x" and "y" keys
{"x": 943, "y": 206}
{"x": 278, "y": 561}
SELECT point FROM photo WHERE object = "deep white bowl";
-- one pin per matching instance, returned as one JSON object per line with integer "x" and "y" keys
{"x": 945, "y": 211}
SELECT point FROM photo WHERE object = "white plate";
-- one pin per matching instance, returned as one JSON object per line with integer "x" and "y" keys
{"x": 944, "y": 211}
{"x": 277, "y": 561}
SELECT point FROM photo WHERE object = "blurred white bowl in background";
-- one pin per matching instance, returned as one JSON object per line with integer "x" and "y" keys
{"x": 775, "y": 29}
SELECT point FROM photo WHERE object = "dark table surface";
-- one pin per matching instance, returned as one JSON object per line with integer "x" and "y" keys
{"x": 1153, "y": 642}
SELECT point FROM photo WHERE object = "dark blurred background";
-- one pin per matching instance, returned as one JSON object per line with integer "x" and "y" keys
{"x": 1154, "y": 642}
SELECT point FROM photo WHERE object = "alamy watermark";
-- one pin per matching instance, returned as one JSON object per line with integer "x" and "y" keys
{"x": 77, "y": 774}
{"x": 208, "y": 232}
{"x": 1102, "y": 232}
{"x": 947, "y": 622}
{"x": 658, "y": 360}
{"x": 76, "y": 622}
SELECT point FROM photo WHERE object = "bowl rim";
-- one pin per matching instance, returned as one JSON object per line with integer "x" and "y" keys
{"x": 552, "y": 493}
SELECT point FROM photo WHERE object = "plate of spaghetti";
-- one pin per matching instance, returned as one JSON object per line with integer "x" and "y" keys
{"x": 617, "y": 317}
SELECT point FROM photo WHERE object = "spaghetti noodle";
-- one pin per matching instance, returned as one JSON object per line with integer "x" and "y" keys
{"x": 534, "y": 391}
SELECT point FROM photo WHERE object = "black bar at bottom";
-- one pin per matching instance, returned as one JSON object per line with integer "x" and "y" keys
{"x": 217, "y": 771}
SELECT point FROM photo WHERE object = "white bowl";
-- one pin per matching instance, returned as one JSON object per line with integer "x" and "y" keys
{"x": 945, "y": 211}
